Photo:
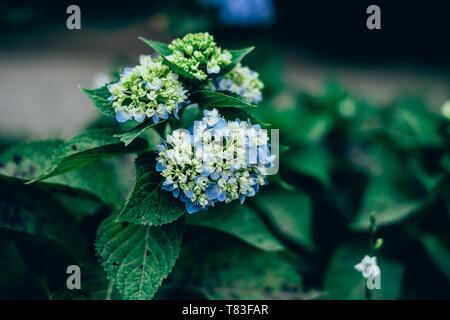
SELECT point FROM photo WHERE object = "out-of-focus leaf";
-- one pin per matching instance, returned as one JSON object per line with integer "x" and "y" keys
{"x": 138, "y": 258}
{"x": 389, "y": 190}
{"x": 309, "y": 161}
{"x": 289, "y": 212}
{"x": 343, "y": 281}
{"x": 437, "y": 253}
{"x": 148, "y": 204}
{"x": 96, "y": 181}
{"x": 33, "y": 212}
{"x": 94, "y": 286}
{"x": 411, "y": 124}
{"x": 222, "y": 267}
{"x": 239, "y": 221}
{"x": 283, "y": 184}
{"x": 90, "y": 146}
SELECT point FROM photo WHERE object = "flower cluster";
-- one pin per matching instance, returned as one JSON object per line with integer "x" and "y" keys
{"x": 214, "y": 161}
{"x": 198, "y": 55}
{"x": 368, "y": 267}
{"x": 242, "y": 81}
{"x": 150, "y": 89}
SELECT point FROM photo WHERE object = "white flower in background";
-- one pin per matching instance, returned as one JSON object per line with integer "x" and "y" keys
{"x": 368, "y": 267}
{"x": 241, "y": 81}
{"x": 446, "y": 109}
{"x": 149, "y": 90}
{"x": 215, "y": 161}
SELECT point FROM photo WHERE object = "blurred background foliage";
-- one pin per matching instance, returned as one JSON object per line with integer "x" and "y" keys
{"x": 354, "y": 146}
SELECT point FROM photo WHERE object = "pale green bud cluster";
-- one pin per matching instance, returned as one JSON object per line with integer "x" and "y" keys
{"x": 150, "y": 89}
{"x": 198, "y": 55}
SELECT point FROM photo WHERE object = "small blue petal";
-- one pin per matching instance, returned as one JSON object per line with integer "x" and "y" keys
{"x": 159, "y": 166}
{"x": 192, "y": 207}
{"x": 215, "y": 175}
{"x": 176, "y": 193}
{"x": 121, "y": 116}
{"x": 167, "y": 186}
{"x": 111, "y": 98}
{"x": 183, "y": 198}
{"x": 155, "y": 118}
{"x": 188, "y": 193}
{"x": 212, "y": 191}
{"x": 175, "y": 113}
{"x": 222, "y": 195}
{"x": 164, "y": 115}
{"x": 220, "y": 124}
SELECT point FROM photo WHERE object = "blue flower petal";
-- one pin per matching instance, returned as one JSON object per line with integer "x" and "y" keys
{"x": 167, "y": 186}
{"x": 122, "y": 116}
{"x": 159, "y": 166}
{"x": 155, "y": 118}
{"x": 215, "y": 175}
{"x": 192, "y": 207}
{"x": 212, "y": 191}
{"x": 176, "y": 193}
{"x": 222, "y": 195}
{"x": 188, "y": 193}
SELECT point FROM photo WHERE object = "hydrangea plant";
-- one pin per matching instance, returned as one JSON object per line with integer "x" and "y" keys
{"x": 209, "y": 163}
{"x": 340, "y": 168}
{"x": 208, "y": 160}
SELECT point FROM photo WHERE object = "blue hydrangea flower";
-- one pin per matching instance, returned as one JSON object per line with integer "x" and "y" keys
{"x": 241, "y": 81}
{"x": 244, "y": 12}
{"x": 149, "y": 90}
{"x": 215, "y": 161}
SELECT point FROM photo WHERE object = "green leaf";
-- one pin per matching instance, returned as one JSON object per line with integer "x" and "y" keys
{"x": 310, "y": 161}
{"x": 138, "y": 258}
{"x": 159, "y": 47}
{"x": 342, "y": 281}
{"x": 33, "y": 212}
{"x": 289, "y": 212}
{"x": 25, "y": 161}
{"x": 148, "y": 204}
{"x": 99, "y": 98}
{"x": 283, "y": 184}
{"x": 231, "y": 114}
{"x": 236, "y": 56}
{"x": 239, "y": 221}
{"x": 129, "y": 136}
{"x": 437, "y": 253}
{"x": 92, "y": 145}
{"x": 218, "y": 99}
{"x": 387, "y": 204}
{"x": 95, "y": 286}
{"x": 223, "y": 267}
{"x": 164, "y": 51}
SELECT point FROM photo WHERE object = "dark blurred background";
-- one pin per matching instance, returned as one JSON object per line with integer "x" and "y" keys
{"x": 300, "y": 43}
